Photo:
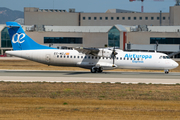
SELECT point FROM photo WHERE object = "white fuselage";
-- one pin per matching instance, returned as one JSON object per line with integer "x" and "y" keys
{"x": 124, "y": 60}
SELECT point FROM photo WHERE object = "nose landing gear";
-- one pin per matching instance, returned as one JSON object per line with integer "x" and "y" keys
{"x": 166, "y": 71}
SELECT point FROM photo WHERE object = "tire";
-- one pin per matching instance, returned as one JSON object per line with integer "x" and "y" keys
{"x": 93, "y": 70}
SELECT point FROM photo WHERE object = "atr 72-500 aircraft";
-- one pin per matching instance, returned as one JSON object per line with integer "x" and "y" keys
{"x": 95, "y": 59}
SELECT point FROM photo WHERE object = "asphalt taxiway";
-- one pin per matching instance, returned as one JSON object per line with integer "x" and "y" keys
{"x": 80, "y": 76}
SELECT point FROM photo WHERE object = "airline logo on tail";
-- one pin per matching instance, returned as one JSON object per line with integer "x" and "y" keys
{"x": 18, "y": 38}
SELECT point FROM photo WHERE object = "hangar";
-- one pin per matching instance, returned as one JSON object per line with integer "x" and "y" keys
{"x": 72, "y": 29}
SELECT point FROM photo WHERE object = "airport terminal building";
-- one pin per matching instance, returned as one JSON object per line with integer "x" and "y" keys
{"x": 127, "y": 30}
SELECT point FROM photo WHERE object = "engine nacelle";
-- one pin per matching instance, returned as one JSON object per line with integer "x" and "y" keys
{"x": 104, "y": 53}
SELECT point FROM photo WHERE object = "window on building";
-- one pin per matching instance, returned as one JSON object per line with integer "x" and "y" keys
{"x": 89, "y": 18}
{"x": 146, "y": 18}
{"x": 95, "y": 18}
{"x": 112, "y": 18}
{"x": 113, "y": 37}
{"x": 134, "y": 18}
{"x": 5, "y": 39}
{"x": 106, "y": 18}
{"x": 140, "y": 18}
{"x": 84, "y": 18}
{"x": 165, "y": 40}
{"x": 129, "y": 18}
{"x": 157, "y": 18}
{"x": 152, "y": 18}
{"x": 117, "y": 18}
{"x": 123, "y": 18}
{"x": 63, "y": 40}
{"x": 100, "y": 18}
{"x": 164, "y": 18}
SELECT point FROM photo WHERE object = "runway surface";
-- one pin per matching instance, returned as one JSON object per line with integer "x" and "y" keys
{"x": 80, "y": 76}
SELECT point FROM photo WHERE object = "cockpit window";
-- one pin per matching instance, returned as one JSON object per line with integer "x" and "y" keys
{"x": 167, "y": 57}
{"x": 164, "y": 57}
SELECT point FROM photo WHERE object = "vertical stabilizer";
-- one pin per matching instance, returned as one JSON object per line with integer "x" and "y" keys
{"x": 19, "y": 39}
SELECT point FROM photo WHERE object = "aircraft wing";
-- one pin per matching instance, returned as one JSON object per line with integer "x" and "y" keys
{"x": 90, "y": 51}
{"x": 100, "y": 52}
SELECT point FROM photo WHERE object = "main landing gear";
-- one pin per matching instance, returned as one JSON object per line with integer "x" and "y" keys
{"x": 96, "y": 70}
{"x": 166, "y": 71}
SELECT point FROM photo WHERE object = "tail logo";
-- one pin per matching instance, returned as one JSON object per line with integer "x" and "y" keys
{"x": 18, "y": 38}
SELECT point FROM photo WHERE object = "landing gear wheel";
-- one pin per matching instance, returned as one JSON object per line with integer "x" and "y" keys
{"x": 96, "y": 70}
{"x": 93, "y": 70}
{"x": 166, "y": 71}
{"x": 99, "y": 70}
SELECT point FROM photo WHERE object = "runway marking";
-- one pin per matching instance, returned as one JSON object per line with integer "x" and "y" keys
{"x": 89, "y": 80}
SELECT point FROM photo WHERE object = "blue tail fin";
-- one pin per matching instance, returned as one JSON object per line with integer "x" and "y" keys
{"x": 19, "y": 39}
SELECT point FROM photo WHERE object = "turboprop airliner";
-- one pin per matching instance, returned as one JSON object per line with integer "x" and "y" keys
{"x": 95, "y": 59}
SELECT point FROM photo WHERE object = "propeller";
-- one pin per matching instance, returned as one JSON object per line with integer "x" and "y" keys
{"x": 113, "y": 55}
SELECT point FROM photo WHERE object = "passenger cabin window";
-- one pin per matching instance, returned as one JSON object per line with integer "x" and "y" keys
{"x": 68, "y": 56}
{"x": 74, "y": 56}
{"x": 89, "y": 57}
{"x": 60, "y": 56}
{"x": 81, "y": 56}
{"x": 77, "y": 56}
{"x": 71, "y": 56}
{"x": 64, "y": 56}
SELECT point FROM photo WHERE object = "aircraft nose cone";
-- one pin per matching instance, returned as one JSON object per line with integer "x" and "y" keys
{"x": 175, "y": 64}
